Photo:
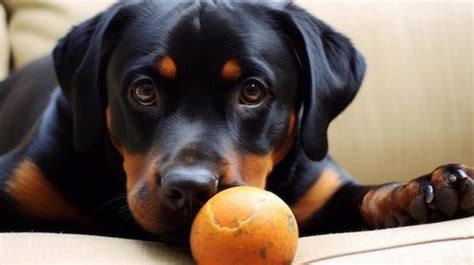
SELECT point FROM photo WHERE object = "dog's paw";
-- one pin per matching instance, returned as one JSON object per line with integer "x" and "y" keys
{"x": 446, "y": 193}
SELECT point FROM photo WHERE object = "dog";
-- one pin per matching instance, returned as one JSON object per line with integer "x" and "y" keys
{"x": 148, "y": 109}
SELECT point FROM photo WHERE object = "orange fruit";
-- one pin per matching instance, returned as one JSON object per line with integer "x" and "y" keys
{"x": 244, "y": 225}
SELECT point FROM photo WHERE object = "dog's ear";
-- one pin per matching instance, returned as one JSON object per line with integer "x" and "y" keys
{"x": 79, "y": 61}
{"x": 331, "y": 73}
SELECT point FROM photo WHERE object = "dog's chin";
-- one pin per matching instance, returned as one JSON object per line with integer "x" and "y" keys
{"x": 159, "y": 219}
{"x": 177, "y": 233}
{"x": 172, "y": 232}
{"x": 178, "y": 236}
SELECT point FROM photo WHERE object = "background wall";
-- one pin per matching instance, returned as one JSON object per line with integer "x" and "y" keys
{"x": 415, "y": 109}
{"x": 29, "y": 28}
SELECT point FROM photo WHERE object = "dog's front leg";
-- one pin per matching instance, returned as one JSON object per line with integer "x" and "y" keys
{"x": 445, "y": 193}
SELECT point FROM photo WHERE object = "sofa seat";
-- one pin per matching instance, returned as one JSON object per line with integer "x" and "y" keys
{"x": 450, "y": 242}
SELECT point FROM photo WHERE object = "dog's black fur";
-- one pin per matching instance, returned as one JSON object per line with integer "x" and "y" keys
{"x": 162, "y": 104}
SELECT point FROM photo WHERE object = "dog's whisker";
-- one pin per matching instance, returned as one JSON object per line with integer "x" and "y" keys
{"x": 109, "y": 203}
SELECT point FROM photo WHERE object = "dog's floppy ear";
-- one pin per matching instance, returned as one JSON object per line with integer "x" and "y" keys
{"x": 331, "y": 72}
{"x": 79, "y": 60}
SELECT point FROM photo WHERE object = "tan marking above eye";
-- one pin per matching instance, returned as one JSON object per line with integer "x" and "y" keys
{"x": 231, "y": 70}
{"x": 167, "y": 67}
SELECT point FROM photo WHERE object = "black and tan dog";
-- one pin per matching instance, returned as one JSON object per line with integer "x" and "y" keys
{"x": 162, "y": 104}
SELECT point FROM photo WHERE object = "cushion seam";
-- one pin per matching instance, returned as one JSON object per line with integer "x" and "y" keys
{"x": 385, "y": 248}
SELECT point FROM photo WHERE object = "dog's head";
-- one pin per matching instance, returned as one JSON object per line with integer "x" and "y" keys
{"x": 197, "y": 97}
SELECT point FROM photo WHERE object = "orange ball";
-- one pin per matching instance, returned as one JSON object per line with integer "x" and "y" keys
{"x": 244, "y": 225}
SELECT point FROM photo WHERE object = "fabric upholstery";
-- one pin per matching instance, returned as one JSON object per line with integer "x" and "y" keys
{"x": 4, "y": 44}
{"x": 415, "y": 108}
{"x": 35, "y": 26}
{"x": 414, "y": 111}
{"x": 450, "y": 242}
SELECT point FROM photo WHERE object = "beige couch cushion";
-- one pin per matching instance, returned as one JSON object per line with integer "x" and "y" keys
{"x": 449, "y": 242}
{"x": 4, "y": 44}
{"x": 35, "y": 26}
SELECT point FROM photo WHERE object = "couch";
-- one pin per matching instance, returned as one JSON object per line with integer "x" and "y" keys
{"x": 414, "y": 111}
{"x": 450, "y": 242}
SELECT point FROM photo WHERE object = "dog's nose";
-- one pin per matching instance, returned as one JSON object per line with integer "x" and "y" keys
{"x": 188, "y": 188}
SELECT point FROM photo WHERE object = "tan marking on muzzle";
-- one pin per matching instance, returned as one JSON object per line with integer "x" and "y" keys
{"x": 136, "y": 165}
{"x": 282, "y": 150}
{"x": 254, "y": 169}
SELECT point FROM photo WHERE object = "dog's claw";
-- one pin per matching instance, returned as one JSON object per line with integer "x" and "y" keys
{"x": 452, "y": 178}
{"x": 462, "y": 174}
{"x": 429, "y": 194}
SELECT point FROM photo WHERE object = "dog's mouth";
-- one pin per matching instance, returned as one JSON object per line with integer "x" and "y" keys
{"x": 175, "y": 232}
{"x": 165, "y": 196}
{"x": 155, "y": 215}
{"x": 178, "y": 236}
{"x": 159, "y": 219}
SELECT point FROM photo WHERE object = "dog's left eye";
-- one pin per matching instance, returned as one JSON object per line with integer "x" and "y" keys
{"x": 144, "y": 92}
{"x": 252, "y": 93}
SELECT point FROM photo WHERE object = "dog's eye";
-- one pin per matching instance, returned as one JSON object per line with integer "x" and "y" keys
{"x": 143, "y": 92}
{"x": 253, "y": 92}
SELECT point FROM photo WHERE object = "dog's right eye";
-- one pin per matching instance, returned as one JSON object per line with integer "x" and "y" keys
{"x": 252, "y": 93}
{"x": 143, "y": 92}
